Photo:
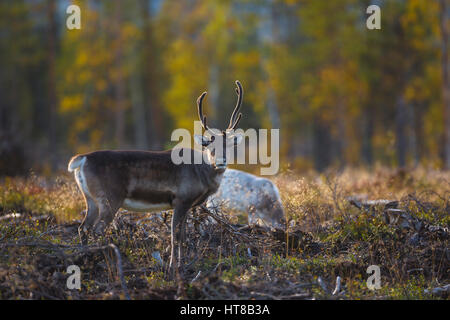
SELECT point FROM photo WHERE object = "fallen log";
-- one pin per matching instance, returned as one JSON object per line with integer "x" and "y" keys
{"x": 372, "y": 205}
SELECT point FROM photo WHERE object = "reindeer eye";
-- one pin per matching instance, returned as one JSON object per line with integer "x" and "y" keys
{"x": 213, "y": 138}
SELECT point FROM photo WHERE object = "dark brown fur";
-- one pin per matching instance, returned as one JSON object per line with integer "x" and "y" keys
{"x": 113, "y": 176}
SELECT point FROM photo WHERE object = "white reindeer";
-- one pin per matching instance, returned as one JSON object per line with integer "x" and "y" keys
{"x": 242, "y": 192}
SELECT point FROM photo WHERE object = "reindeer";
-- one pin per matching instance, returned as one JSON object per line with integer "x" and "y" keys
{"x": 149, "y": 180}
{"x": 242, "y": 192}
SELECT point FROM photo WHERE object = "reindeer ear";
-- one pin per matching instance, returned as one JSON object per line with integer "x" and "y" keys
{"x": 201, "y": 140}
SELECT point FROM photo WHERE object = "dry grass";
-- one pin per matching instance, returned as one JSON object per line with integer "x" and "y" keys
{"x": 327, "y": 237}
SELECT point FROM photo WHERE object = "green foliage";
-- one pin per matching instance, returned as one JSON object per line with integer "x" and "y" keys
{"x": 412, "y": 289}
{"x": 25, "y": 196}
{"x": 363, "y": 227}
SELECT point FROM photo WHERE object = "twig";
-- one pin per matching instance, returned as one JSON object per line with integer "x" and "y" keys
{"x": 285, "y": 297}
{"x": 338, "y": 286}
{"x": 196, "y": 277}
{"x": 120, "y": 271}
{"x": 78, "y": 249}
{"x": 322, "y": 284}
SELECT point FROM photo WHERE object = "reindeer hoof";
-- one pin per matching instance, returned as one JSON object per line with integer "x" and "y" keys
{"x": 181, "y": 290}
{"x": 99, "y": 228}
{"x": 83, "y": 236}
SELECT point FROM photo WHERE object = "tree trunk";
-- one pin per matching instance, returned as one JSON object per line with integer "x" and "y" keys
{"x": 51, "y": 81}
{"x": 444, "y": 19}
{"x": 214, "y": 96}
{"x": 400, "y": 131}
{"x": 322, "y": 145}
{"x": 412, "y": 134}
{"x": 119, "y": 82}
{"x": 137, "y": 102}
{"x": 272, "y": 108}
{"x": 368, "y": 125}
{"x": 340, "y": 141}
{"x": 418, "y": 129}
{"x": 152, "y": 99}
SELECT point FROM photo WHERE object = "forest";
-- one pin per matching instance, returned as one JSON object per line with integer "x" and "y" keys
{"x": 364, "y": 147}
{"x": 134, "y": 70}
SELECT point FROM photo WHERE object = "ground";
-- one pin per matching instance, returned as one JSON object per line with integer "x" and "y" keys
{"x": 334, "y": 231}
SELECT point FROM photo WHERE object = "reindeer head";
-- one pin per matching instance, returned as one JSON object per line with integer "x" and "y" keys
{"x": 216, "y": 142}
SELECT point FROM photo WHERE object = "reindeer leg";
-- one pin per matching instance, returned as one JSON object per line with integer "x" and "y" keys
{"x": 181, "y": 291}
{"x": 178, "y": 230}
{"x": 89, "y": 219}
{"x": 107, "y": 210}
{"x": 179, "y": 215}
{"x": 182, "y": 241}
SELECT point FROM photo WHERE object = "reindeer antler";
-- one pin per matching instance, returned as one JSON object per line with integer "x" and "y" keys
{"x": 200, "y": 111}
{"x": 235, "y": 120}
